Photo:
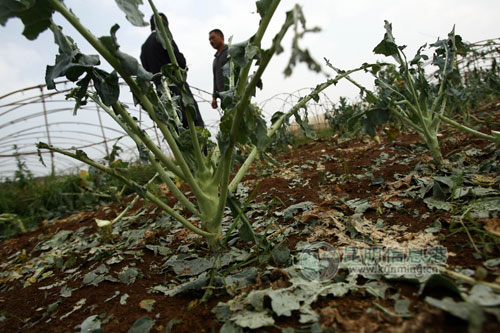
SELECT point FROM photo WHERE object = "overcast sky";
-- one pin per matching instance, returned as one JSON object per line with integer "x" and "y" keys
{"x": 350, "y": 31}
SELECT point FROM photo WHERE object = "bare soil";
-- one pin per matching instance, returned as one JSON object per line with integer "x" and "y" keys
{"x": 31, "y": 308}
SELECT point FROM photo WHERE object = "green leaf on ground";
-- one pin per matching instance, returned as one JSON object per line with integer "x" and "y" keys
{"x": 280, "y": 255}
{"x": 376, "y": 288}
{"x": 229, "y": 327}
{"x": 283, "y": 302}
{"x": 91, "y": 325}
{"x": 358, "y": 205}
{"x": 401, "y": 306}
{"x": 142, "y": 325}
{"x": 438, "y": 204}
{"x": 128, "y": 275}
{"x": 190, "y": 266}
{"x": 96, "y": 276}
{"x": 291, "y": 211}
{"x": 253, "y": 320}
{"x": 483, "y": 295}
{"x": 435, "y": 228}
{"x": 492, "y": 262}
{"x": 464, "y": 310}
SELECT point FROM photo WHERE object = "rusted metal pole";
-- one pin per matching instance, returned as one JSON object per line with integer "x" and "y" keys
{"x": 157, "y": 136}
{"x": 102, "y": 129}
{"x": 154, "y": 127}
{"x": 53, "y": 168}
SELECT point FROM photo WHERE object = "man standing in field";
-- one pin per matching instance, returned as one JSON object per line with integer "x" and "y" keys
{"x": 216, "y": 38}
{"x": 154, "y": 57}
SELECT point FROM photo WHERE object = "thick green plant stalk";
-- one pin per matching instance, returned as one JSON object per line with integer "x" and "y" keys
{"x": 208, "y": 180}
{"x": 243, "y": 95}
{"x": 494, "y": 137}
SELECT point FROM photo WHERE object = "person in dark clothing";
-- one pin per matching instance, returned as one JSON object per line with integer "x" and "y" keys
{"x": 216, "y": 38}
{"x": 154, "y": 57}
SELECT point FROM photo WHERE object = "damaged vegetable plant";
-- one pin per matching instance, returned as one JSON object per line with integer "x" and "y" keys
{"x": 207, "y": 176}
{"x": 411, "y": 95}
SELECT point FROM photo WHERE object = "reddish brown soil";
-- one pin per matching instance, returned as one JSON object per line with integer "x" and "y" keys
{"x": 343, "y": 314}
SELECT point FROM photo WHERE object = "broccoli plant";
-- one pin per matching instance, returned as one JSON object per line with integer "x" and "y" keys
{"x": 416, "y": 98}
{"x": 207, "y": 175}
